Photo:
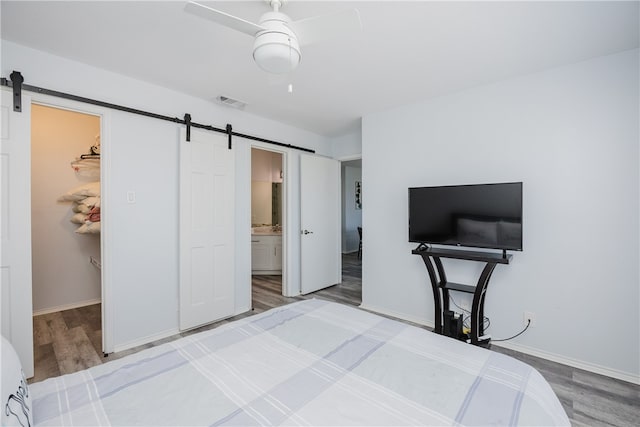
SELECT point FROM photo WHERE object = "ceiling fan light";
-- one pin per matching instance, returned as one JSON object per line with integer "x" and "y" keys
{"x": 276, "y": 53}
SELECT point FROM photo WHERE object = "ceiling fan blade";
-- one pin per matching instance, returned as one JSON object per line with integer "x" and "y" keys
{"x": 223, "y": 18}
{"x": 325, "y": 27}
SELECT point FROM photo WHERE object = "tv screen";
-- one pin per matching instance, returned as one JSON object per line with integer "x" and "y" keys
{"x": 480, "y": 216}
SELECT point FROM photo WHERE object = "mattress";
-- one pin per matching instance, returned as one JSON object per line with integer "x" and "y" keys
{"x": 308, "y": 363}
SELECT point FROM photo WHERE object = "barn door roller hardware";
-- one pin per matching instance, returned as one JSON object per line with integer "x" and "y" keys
{"x": 187, "y": 121}
{"x": 17, "y": 80}
{"x": 230, "y": 133}
{"x": 17, "y": 83}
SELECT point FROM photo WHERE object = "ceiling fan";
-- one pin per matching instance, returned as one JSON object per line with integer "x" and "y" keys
{"x": 276, "y": 48}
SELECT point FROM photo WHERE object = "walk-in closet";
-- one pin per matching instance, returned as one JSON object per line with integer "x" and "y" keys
{"x": 65, "y": 232}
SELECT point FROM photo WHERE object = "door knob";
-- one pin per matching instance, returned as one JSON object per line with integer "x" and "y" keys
{"x": 307, "y": 232}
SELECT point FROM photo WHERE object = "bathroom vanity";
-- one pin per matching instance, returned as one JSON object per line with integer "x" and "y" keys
{"x": 266, "y": 251}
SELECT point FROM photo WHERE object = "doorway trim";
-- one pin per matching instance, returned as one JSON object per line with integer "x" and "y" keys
{"x": 105, "y": 196}
{"x": 286, "y": 217}
{"x": 349, "y": 158}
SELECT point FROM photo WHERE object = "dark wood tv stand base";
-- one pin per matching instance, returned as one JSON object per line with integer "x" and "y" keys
{"x": 441, "y": 287}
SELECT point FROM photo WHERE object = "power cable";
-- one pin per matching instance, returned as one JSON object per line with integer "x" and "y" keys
{"x": 518, "y": 334}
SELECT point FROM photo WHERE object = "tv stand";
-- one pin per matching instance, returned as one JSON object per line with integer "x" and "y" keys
{"x": 441, "y": 287}
{"x": 422, "y": 247}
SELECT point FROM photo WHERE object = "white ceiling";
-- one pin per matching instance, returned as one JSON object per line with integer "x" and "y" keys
{"x": 407, "y": 51}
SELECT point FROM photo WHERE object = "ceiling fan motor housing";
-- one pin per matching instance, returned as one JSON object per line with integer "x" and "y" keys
{"x": 276, "y": 49}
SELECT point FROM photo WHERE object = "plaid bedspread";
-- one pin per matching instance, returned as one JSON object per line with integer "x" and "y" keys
{"x": 308, "y": 363}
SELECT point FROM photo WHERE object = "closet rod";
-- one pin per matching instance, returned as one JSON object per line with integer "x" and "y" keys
{"x": 17, "y": 77}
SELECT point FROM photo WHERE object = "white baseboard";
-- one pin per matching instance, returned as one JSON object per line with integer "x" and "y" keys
{"x": 66, "y": 307}
{"x": 580, "y": 364}
{"x": 418, "y": 320}
{"x": 586, "y": 366}
{"x": 146, "y": 340}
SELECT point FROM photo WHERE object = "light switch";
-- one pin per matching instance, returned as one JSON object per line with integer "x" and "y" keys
{"x": 131, "y": 196}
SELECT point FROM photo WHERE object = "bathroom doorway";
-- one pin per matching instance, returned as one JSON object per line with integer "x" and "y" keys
{"x": 266, "y": 221}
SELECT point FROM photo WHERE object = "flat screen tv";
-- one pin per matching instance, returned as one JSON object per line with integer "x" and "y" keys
{"x": 479, "y": 216}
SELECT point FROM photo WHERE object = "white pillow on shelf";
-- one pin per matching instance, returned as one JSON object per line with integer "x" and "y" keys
{"x": 79, "y": 218}
{"x": 16, "y": 399}
{"x": 80, "y": 208}
{"x": 89, "y": 189}
{"x": 90, "y": 202}
{"x": 89, "y": 228}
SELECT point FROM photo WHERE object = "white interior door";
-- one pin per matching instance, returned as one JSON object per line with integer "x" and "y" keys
{"x": 206, "y": 228}
{"x": 321, "y": 263}
{"x": 15, "y": 213}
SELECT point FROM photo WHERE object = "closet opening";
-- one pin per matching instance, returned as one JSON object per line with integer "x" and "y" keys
{"x": 65, "y": 238}
{"x": 267, "y": 218}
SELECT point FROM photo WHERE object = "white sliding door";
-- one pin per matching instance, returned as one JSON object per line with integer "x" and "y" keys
{"x": 15, "y": 219}
{"x": 207, "y": 217}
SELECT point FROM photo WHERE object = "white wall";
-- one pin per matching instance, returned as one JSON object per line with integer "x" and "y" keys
{"x": 62, "y": 275}
{"x": 351, "y": 217}
{"x": 266, "y": 166}
{"x": 142, "y": 156}
{"x": 571, "y": 135}
{"x": 347, "y": 146}
{"x": 260, "y": 203}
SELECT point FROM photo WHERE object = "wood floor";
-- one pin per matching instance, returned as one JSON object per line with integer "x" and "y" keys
{"x": 71, "y": 340}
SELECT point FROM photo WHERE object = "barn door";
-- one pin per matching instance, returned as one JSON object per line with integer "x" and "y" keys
{"x": 206, "y": 228}
{"x": 15, "y": 228}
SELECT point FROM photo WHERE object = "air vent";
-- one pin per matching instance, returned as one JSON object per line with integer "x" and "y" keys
{"x": 230, "y": 102}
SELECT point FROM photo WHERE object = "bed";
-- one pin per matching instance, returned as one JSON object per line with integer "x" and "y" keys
{"x": 312, "y": 362}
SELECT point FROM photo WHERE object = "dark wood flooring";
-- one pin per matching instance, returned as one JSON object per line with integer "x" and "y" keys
{"x": 71, "y": 340}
